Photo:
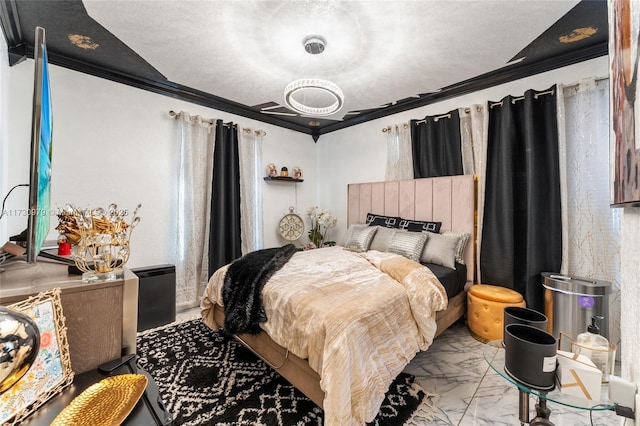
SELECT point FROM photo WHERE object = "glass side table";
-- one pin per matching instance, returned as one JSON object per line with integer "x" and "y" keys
{"x": 494, "y": 355}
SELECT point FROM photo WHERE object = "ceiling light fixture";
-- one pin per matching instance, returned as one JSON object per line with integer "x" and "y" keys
{"x": 315, "y": 97}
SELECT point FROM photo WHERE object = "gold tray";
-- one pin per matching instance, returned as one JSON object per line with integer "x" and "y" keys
{"x": 107, "y": 402}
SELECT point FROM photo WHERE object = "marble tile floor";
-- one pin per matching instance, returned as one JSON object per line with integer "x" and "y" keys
{"x": 468, "y": 391}
{"x": 188, "y": 314}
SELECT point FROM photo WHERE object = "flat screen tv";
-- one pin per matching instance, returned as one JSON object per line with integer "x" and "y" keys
{"x": 40, "y": 167}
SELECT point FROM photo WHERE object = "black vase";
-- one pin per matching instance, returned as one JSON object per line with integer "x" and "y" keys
{"x": 530, "y": 356}
{"x": 518, "y": 315}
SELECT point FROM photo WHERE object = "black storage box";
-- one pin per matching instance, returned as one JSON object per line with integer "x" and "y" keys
{"x": 156, "y": 295}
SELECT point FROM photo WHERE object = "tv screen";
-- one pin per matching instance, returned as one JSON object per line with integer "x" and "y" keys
{"x": 40, "y": 168}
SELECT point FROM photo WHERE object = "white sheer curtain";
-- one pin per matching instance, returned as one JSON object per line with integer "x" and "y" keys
{"x": 591, "y": 240}
{"x": 473, "y": 136}
{"x": 399, "y": 155}
{"x": 193, "y": 209}
{"x": 251, "y": 189}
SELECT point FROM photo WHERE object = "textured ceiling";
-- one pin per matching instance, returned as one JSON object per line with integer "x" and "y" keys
{"x": 239, "y": 55}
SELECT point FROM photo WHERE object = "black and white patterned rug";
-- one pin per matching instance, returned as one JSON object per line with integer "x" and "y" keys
{"x": 207, "y": 378}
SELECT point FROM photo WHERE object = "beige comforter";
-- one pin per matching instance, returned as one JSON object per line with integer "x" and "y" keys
{"x": 359, "y": 318}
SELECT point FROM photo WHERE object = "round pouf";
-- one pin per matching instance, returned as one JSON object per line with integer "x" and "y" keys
{"x": 485, "y": 310}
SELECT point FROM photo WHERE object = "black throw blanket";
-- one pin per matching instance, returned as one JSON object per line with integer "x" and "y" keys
{"x": 242, "y": 288}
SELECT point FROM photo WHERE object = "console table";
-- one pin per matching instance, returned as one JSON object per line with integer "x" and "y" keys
{"x": 494, "y": 355}
{"x": 101, "y": 317}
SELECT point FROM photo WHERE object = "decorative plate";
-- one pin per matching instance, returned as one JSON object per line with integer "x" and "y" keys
{"x": 291, "y": 226}
{"x": 107, "y": 402}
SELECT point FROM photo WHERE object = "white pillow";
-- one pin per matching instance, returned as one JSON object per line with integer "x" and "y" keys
{"x": 407, "y": 244}
{"x": 359, "y": 237}
{"x": 440, "y": 249}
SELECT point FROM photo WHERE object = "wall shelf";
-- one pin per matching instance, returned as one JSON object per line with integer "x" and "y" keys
{"x": 283, "y": 179}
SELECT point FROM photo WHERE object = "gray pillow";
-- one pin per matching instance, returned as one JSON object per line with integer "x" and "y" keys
{"x": 463, "y": 238}
{"x": 382, "y": 238}
{"x": 360, "y": 237}
{"x": 350, "y": 231}
{"x": 440, "y": 249}
{"x": 407, "y": 244}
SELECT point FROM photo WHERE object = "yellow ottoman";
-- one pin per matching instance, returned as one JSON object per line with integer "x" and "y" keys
{"x": 485, "y": 310}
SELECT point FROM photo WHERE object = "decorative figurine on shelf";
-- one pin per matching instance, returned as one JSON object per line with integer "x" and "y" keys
{"x": 284, "y": 172}
{"x": 272, "y": 170}
{"x": 64, "y": 247}
{"x": 297, "y": 173}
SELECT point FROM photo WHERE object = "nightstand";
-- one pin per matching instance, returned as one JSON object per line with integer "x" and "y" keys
{"x": 149, "y": 411}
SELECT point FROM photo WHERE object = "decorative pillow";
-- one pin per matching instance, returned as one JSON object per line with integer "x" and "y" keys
{"x": 463, "y": 238}
{"x": 360, "y": 237}
{"x": 419, "y": 226}
{"x": 382, "y": 238}
{"x": 380, "y": 220}
{"x": 350, "y": 231}
{"x": 440, "y": 249}
{"x": 408, "y": 244}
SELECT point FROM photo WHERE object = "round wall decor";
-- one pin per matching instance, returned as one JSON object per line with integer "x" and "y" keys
{"x": 291, "y": 226}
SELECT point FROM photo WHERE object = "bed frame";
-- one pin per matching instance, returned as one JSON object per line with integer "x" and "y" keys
{"x": 450, "y": 200}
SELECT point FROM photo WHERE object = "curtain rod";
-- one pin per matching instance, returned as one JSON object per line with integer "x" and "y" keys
{"x": 438, "y": 117}
{"x": 577, "y": 84}
{"x": 550, "y": 91}
{"x": 467, "y": 110}
{"x": 177, "y": 115}
{"x": 519, "y": 98}
{"x": 389, "y": 128}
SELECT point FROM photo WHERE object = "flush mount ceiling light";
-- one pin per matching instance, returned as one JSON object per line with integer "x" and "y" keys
{"x": 313, "y": 96}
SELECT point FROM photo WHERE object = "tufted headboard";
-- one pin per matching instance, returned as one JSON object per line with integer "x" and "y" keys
{"x": 448, "y": 199}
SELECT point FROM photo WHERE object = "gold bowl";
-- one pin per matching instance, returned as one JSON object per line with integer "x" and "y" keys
{"x": 106, "y": 403}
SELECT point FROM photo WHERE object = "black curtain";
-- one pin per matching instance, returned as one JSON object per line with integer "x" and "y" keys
{"x": 521, "y": 235}
{"x": 224, "y": 231}
{"x": 436, "y": 146}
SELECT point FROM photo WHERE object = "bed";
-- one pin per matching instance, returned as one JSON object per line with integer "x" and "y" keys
{"x": 347, "y": 374}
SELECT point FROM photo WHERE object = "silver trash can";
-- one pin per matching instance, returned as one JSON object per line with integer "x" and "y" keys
{"x": 571, "y": 302}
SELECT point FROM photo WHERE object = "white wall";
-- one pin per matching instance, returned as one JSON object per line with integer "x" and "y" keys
{"x": 279, "y": 196}
{"x": 115, "y": 143}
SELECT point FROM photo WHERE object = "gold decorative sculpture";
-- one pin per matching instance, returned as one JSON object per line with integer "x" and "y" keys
{"x": 100, "y": 237}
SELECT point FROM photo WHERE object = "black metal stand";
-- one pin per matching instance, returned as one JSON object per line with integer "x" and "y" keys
{"x": 523, "y": 406}
{"x": 542, "y": 414}
{"x": 542, "y": 411}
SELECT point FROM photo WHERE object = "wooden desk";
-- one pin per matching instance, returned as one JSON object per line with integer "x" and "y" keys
{"x": 101, "y": 318}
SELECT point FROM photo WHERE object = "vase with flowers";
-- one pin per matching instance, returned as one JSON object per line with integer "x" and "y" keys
{"x": 321, "y": 223}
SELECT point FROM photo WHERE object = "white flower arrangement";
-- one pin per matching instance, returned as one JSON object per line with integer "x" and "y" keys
{"x": 321, "y": 222}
